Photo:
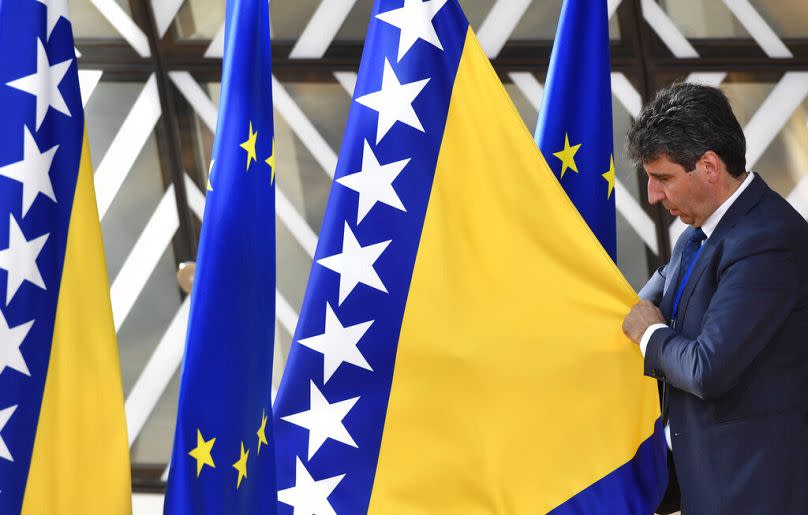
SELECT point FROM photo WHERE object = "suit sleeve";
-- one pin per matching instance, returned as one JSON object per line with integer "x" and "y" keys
{"x": 655, "y": 287}
{"x": 754, "y": 296}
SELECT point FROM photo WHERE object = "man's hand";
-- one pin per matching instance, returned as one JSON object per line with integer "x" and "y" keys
{"x": 643, "y": 315}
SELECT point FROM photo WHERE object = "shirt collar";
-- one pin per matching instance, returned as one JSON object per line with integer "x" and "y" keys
{"x": 712, "y": 221}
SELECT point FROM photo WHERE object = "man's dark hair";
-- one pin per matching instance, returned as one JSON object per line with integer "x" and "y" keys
{"x": 683, "y": 122}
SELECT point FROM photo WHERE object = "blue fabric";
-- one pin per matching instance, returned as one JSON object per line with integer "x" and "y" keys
{"x": 226, "y": 377}
{"x": 577, "y": 105}
{"x": 305, "y": 367}
{"x": 23, "y": 26}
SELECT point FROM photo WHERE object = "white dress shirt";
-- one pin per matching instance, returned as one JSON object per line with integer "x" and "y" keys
{"x": 708, "y": 227}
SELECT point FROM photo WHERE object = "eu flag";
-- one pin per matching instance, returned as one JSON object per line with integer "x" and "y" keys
{"x": 574, "y": 131}
{"x": 223, "y": 459}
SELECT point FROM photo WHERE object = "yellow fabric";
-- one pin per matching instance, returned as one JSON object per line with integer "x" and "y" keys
{"x": 514, "y": 387}
{"x": 80, "y": 462}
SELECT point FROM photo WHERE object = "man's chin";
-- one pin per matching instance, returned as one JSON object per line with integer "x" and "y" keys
{"x": 687, "y": 220}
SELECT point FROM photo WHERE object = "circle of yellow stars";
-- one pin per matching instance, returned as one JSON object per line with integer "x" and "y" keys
{"x": 203, "y": 452}
{"x": 567, "y": 157}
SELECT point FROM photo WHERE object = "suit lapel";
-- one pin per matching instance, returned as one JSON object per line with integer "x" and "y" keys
{"x": 746, "y": 201}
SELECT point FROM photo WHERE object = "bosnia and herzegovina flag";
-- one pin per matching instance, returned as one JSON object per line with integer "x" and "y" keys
{"x": 575, "y": 127}
{"x": 223, "y": 458}
{"x": 459, "y": 348}
{"x": 63, "y": 443}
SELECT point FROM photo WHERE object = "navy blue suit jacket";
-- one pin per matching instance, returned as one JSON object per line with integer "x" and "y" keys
{"x": 736, "y": 366}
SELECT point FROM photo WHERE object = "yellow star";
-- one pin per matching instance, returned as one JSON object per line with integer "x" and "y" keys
{"x": 567, "y": 156}
{"x": 210, "y": 171}
{"x": 271, "y": 162}
{"x": 202, "y": 452}
{"x": 241, "y": 465}
{"x": 262, "y": 434}
{"x": 249, "y": 146}
{"x": 609, "y": 176}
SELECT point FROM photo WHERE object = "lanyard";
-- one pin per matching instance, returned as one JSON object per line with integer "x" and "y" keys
{"x": 682, "y": 285}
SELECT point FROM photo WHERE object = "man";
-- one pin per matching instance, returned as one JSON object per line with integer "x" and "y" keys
{"x": 724, "y": 325}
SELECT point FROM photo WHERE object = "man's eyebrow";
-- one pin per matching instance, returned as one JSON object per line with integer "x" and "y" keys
{"x": 657, "y": 174}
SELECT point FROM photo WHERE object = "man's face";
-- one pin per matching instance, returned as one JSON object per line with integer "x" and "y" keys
{"x": 685, "y": 194}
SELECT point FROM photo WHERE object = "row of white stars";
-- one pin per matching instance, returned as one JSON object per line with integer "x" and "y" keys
{"x": 355, "y": 264}
{"x": 32, "y": 172}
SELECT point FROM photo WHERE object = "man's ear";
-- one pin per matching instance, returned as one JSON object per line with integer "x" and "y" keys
{"x": 713, "y": 166}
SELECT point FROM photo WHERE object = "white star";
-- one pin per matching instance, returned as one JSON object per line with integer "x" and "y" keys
{"x": 415, "y": 21}
{"x": 44, "y": 84}
{"x": 355, "y": 264}
{"x": 5, "y": 414}
{"x": 32, "y": 172}
{"x": 19, "y": 259}
{"x": 374, "y": 183}
{"x": 309, "y": 497}
{"x": 338, "y": 344}
{"x": 56, "y": 9}
{"x": 394, "y": 102}
{"x": 10, "y": 340}
{"x": 323, "y": 420}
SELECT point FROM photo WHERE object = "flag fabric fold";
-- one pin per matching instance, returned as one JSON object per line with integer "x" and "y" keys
{"x": 63, "y": 442}
{"x": 223, "y": 456}
{"x": 459, "y": 348}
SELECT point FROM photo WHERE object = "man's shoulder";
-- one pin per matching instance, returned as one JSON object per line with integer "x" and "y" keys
{"x": 772, "y": 224}
{"x": 776, "y": 216}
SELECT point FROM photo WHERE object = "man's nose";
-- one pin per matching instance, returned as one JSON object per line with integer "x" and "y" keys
{"x": 655, "y": 193}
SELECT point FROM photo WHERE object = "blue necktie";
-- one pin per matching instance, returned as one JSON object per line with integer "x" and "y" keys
{"x": 689, "y": 253}
{"x": 691, "y": 248}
